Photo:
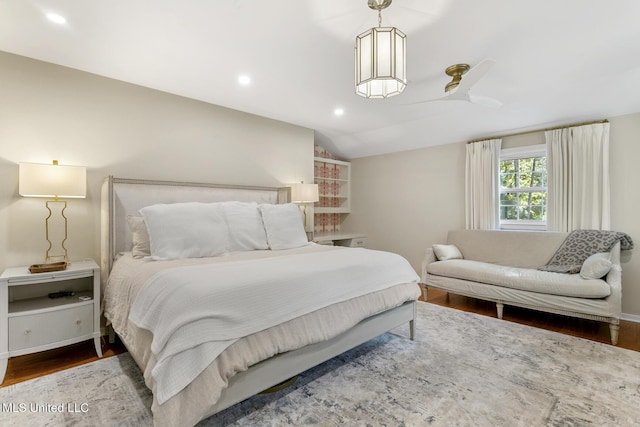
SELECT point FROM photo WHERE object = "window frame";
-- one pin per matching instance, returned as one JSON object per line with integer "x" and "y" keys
{"x": 538, "y": 150}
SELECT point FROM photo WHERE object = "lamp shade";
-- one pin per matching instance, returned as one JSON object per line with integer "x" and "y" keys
{"x": 304, "y": 193}
{"x": 380, "y": 55}
{"x": 42, "y": 180}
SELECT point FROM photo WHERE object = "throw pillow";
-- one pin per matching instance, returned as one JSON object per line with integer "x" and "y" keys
{"x": 246, "y": 230}
{"x": 445, "y": 252}
{"x": 139, "y": 236}
{"x": 186, "y": 230}
{"x": 596, "y": 266}
{"x": 284, "y": 227}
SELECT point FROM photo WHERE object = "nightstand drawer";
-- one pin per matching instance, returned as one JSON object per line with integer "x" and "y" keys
{"x": 39, "y": 329}
{"x": 358, "y": 242}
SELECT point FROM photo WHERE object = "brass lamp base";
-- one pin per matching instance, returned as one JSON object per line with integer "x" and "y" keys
{"x": 61, "y": 256}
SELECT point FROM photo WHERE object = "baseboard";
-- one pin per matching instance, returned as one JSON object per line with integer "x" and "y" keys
{"x": 630, "y": 317}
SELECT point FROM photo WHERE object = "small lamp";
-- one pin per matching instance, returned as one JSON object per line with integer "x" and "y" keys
{"x": 302, "y": 194}
{"x": 57, "y": 181}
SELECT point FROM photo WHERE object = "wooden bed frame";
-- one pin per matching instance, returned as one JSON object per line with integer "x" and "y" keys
{"x": 122, "y": 197}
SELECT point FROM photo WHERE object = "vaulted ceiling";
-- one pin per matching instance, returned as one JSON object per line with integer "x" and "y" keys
{"x": 556, "y": 62}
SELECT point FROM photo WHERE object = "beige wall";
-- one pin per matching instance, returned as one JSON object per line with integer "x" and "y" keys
{"x": 407, "y": 201}
{"x": 113, "y": 128}
{"x": 625, "y": 202}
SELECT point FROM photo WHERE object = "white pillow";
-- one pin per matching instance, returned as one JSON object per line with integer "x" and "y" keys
{"x": 186, "y": 230}
{"x": 445, "y": 252}
{"x": 284, "y": 226}
{"x": 139, "y": 236}
{"x": 246, "y": 230}
{"x": 596, "y": 266}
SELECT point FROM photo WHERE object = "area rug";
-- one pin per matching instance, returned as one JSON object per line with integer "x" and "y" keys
{"x": 463, "y": 369}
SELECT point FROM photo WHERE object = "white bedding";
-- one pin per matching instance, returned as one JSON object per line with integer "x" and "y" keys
{"x": 228, "y": 301}
{"x": 185, "y": 408}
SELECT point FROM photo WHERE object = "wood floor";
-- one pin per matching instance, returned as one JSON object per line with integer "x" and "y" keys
{"x": 35, "y": 365}
{"x": 30, "y": 366}
{"x": 590, "y": 329}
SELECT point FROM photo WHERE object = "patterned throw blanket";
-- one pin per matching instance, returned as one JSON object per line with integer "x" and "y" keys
{"x": 580, "y": 245}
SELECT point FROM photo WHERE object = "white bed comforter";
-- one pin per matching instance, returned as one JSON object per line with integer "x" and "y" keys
{"x": 247, "y": 297}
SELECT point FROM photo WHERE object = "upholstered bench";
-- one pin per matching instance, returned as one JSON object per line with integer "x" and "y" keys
{"x": 503, "y": 266}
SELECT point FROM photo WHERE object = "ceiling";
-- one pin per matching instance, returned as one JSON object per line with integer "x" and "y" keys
{"x": 556, "y": 62}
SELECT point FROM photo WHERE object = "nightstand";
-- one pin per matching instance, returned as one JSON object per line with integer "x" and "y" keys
{"x": 30, "y": 321}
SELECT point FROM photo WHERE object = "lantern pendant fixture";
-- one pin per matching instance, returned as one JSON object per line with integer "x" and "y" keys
{"x": 381, "y": 57}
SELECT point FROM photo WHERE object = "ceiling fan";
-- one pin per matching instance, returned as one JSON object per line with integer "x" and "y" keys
{"x": 463, "y": 79}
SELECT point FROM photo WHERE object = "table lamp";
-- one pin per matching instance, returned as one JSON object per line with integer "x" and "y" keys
{"x": 53, "y": 181}
{"x": 301, "y": 194}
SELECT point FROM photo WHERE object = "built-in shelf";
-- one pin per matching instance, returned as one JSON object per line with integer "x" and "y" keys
{"x": 331, "y": 210}
{"x": 317, "y": 178}
{"x": 334, "y": 187}
{"x": 333, "y": 179}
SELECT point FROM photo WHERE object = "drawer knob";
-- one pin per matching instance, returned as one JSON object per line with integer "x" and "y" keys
{"x": 78, "y": 321}
{"x": 27, "y": 331}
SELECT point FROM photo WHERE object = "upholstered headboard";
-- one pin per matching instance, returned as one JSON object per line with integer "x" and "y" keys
{"x": 121, "y": 197}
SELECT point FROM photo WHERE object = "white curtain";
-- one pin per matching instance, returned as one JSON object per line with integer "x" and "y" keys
{"x": 482, "y": 181}
{"x": 578, "y": 178}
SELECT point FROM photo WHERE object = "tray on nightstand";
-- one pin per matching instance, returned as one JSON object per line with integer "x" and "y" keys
{"x": 45, "y": 268}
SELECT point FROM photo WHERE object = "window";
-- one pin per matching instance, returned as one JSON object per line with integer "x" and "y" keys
{"x": 523, "y": 187}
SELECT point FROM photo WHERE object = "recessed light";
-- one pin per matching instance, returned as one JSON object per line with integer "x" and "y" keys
{"x": 338, "y": 111}
{"x": 58, "y": 19}
{"x": 244, "y": 80}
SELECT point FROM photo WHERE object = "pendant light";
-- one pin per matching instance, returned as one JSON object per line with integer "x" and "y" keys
{"x": 381, "y": 57}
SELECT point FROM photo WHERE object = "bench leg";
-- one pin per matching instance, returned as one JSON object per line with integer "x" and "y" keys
{"x": 423, "y": 288}
{"x": 412, "y": 330}
{"x": 112, "y": 334}
{"x": 614, "y": 328}
{"x": 500, "y": 309}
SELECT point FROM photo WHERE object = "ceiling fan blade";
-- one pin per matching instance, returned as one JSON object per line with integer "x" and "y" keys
{"x": 472, "y": 76}
{"x": 425, "y": 101}
{"x": 450, "y": 96}
{"x": 485, "y": 101}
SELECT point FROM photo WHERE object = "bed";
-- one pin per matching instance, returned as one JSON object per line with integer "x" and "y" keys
{"x": 292, "y": 312}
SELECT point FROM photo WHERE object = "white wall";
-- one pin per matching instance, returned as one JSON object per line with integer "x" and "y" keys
{"x": 50, "y": 112}
{"x": 407, "y": 201}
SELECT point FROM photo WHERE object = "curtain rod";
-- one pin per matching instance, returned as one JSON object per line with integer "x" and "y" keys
{"x": 539, "y": 130}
